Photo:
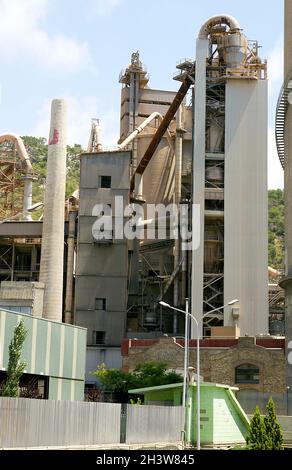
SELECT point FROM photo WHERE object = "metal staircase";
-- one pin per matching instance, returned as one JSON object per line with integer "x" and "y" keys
{"x": 281, "y": 112}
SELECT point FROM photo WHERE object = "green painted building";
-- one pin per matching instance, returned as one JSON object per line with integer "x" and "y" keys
{"x": 222, "y": 419}
{"x": 54, "y": 354}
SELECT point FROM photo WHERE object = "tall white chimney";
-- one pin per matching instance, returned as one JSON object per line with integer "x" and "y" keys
{"x": 52, "y": 253}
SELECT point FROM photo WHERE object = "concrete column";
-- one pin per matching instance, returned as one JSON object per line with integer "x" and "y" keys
{"x": 51, "y": 269}
{"x": 199, "y": 179}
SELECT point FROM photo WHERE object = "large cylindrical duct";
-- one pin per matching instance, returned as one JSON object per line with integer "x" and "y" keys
{"x": 27, "y": 198}
{"x": 70, "y": 267}
{"x": 51, "y": 269}
{"x": 216, "y": 20}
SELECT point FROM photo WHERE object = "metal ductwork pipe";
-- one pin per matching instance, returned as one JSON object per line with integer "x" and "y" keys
{"x": 70, "y": 267}
{"x": 218, "y": 19}
{"x": 27, "y": 197}
{"x": 94, "y": 144}
{"x": 177, "y": 198}
{"x": 52, "y": 254}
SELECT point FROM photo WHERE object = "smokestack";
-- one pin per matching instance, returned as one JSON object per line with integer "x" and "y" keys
{"x": 51, "y": 269}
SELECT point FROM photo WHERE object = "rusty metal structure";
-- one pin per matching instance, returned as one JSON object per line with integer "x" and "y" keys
{"x": 16, "y": 178}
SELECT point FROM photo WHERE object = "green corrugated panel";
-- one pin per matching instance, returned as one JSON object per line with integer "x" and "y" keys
{"x": 79, "y": 390}
{"x": 53, "y": 388}
{"x": 66, "y": 389}
{"x": 41, "y": 346}
{"x": 26, "y": 350}
{"x": 55, "y": 349}
{"x": 68, "y": 351}
{"x": 81, "y": 351}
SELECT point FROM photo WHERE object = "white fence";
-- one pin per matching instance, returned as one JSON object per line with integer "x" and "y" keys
{"x": 32, "y": 423}
{"x": 153, "y": 424}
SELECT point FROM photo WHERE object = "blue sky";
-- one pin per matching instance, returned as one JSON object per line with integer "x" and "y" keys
{"x": 76, "y": 50}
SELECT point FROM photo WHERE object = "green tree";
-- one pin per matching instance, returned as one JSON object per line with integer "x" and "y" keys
{"x": 273, "y": 428}
{"x": 258, "y": 438}
{"x": 153, "y": 373}
{"x": 276, "y": 228}
{"x": 147, "y": 374}
{"x": 37, "y": 150}
{"x": 114, "y": 381}
{"x": 15, "y": 365}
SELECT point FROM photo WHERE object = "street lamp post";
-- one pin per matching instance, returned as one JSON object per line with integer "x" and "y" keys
{"x": 186, "y": 354}
{"x": 188, "y": 314}
{"x": 287, "y": 399}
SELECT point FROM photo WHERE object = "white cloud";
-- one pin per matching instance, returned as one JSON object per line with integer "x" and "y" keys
{"x": 80, "y": 113}
{"x": 101, "y": 8}
{"x": 275, "y": 170}
{"x": 23, "y": 35}
{"x": 275, "y": 74}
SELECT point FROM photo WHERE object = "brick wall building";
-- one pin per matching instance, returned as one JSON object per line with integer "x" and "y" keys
{"x": 255, "y": 365}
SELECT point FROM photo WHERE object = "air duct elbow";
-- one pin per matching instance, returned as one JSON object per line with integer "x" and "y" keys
{"x": 216, "y": 20}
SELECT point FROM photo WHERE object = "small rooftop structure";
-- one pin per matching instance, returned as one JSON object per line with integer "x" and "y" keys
{"x": 223, "y": 420}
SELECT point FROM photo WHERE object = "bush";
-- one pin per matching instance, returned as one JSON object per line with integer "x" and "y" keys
{"x": 265, "y": 433}
{"x": 15, "y": 365}
{"x": 273, "y": 428}
{"x": 258, "y": 438}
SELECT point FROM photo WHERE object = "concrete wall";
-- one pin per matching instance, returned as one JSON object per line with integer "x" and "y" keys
{"x": 245, "y": 228}
{"x": 250, "y": 398}
{"x": 23, "y": 294}
{"x": 95, "y": 355}
{"x": 51, "y": 349}
{"x": 102, "y": 269}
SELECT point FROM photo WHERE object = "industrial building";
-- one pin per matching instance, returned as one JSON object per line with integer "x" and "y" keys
{"x": 203, "y": 146}
{"x": 283, "y": 126}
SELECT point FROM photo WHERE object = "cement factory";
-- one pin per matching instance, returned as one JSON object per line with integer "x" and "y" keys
{"x": 204, "y": 146}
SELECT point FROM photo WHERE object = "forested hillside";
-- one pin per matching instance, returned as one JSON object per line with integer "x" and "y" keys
{"x": 37, "y": 149}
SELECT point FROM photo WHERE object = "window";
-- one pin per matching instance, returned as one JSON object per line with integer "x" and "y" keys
{"x": 100, "y": 304}
{"x": 105, "y": 181}
{"x": 98, "y": 337}
{"x": 247, "y": 374}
